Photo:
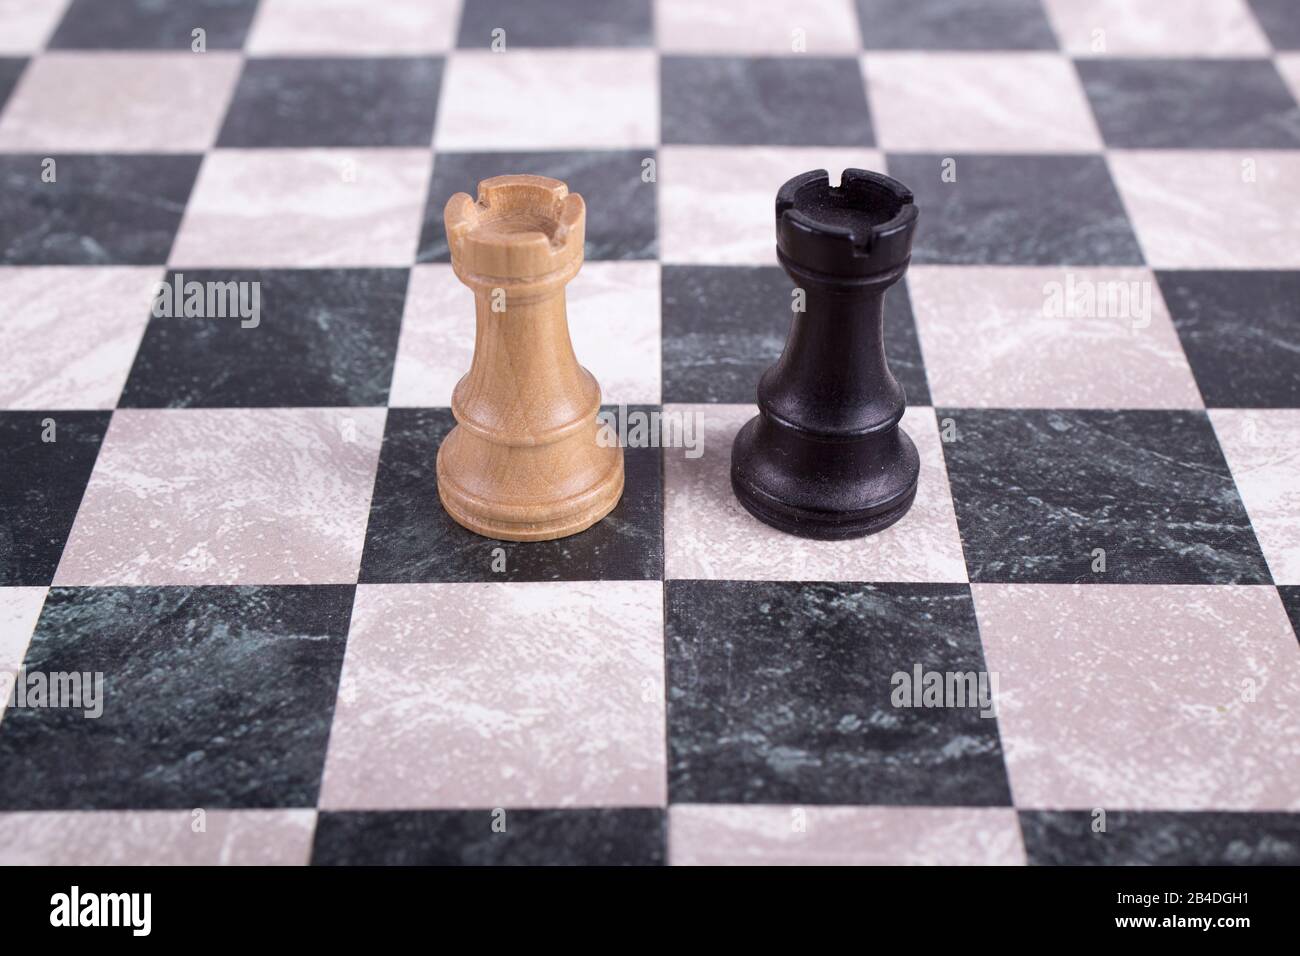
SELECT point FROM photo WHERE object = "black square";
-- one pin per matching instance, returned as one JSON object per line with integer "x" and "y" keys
{"x": 45, "y": 462}
{"x": 790, "y": 101}
{"x": 1016, "y": 210}
{"x": 1160, "y": 838}
{"x": 723, "y": 326}
{"x": 1280, "y": 21}
{"x": 955, "y": 25}
{"x": 621, "y": 221}
{"x": 212, "y": 697}
{"x": 323, "y": 337}
{"x": 1291, "y": 601}
{"x": 153, "y": 25}
{"x": 411, "y": 538}
{"x": 783, "y": 692}
{"x": 10, "y": 69}
{"x": 1191, "y": 104}
{"x": 556, "y": 23}
{"x": 100, "y": 210}
{"x": 497, "y": 837}
{"x": 1241, "y": 333}
{"x": 1038, "y": 492}
{"x": 344, "y": 101}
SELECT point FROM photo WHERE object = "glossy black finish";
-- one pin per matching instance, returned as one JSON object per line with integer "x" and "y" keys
{"x": 825, "y": 458}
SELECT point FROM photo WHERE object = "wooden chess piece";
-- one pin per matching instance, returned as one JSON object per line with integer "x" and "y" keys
{"x": 824, "y": 457}
{"x": 523, "y": 462}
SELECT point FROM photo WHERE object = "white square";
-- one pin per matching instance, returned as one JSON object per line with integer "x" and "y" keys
{"x": 717, "y": 204}
{"x": 549, "y": 99}
{"x": 768, "y": 27}
{"x": 28, "y": 24}
{"x": 709, "y": 535}
{"x": 979, "y": 102}
{"x": 353, "y": 27}
{"x": 304, "y": 208}
{"x": 613, "y": 324}
{"x": 1151, "y": 28}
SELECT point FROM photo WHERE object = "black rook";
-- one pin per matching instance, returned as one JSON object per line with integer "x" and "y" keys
{"x": 824, "y": 457}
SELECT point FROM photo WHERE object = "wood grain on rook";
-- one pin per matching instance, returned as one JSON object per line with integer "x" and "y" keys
{"x": 523, "y": 463}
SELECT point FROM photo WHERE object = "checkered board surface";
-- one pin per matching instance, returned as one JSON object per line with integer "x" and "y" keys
{"x": 238, "y": 527}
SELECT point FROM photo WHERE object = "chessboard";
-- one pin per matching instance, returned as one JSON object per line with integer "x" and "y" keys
{"x": 238, "y": 627}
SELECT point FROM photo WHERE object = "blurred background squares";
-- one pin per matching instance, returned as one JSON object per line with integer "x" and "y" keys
{"x": 764, "y": 101}
{"x": 954, "y": 25}
{"x": 496, "y": 101}
{"x": 148, "y": 24}
{"x": 978, "y": 102}
{"x": 1122, "y": 28}
{"x": 763, "y": 27}
{"x": 1191, "y": 104}
{"x": 353, "y": 27}
{"x": 280, "y": 208}
{"x": 342, "y": 101}
{"x": 119, "y": 102}
{"x": 556, "y": 23}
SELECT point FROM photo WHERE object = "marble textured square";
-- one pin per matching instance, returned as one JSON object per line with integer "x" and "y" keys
{"x": 783, "y": 692}
{"x": 613, "y": 312}
{"x": 507, "y": 101}
{"x": 1154, "y": 838}
{"x": 716, "y": 202}
{"x": 1097, "y": 496}
{"x": 1288, "y": 64}
{"x": 1278, "y": 19}
{"x": 227, "y": 496}
{"x": 1144, "y": 698}
{"x": 98, "y": 210}
{"x": 621, "y": 218}
{"x": 1241, "y": 333}
{"x": 339, "y": 101}
{"x": 48, "y": 457}
{"x": 708, "y": 534}
{"x": 156, "y": 838}
{"x": 19, "y": 610}
{"x": 28, "y": 24}
{"x": 1212, "y": 209}
{"x": 1263, "y": 450}
{"x": 955, "y": 25}
{"x": 595, "y": 836}
{"x": 1191, "y": 104}
{"x": 500, "y": 695}
{"x": 119, "y": 102}
{"x": 304, "y": 208}
{"x": 1121, "y": 28}
{"x": 70, "y": 333}
{"x": 978, "y": 102}
{"x": 411, "y": 539}
{"x": 1047, "y": 337}
{"x": 557, "y": 23}
{"x": 148, "y": 24}
{"x": 191, "y": 715}
{"x": 764, "y": 101}
{"x": 763, "y": 27}
{"x": 1291, "y": 601}
{"x": 319, "y": 337}
{"x": 11, "y": 68}
{"x": 725, "y": 325}
{"x": 1016, "y": 210}
{"x": 353, "y": 27}
{"x": 720, "y": 835}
